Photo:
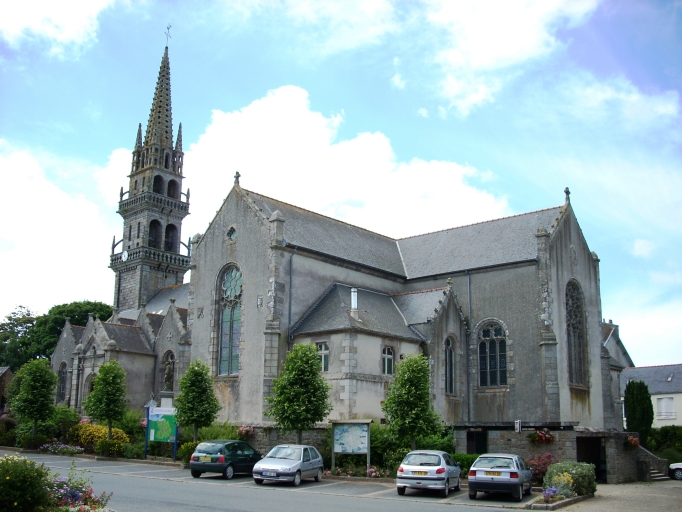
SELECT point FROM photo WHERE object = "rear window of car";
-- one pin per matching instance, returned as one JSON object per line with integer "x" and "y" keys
{"x": 422, "y": 459}
{"x": 209, "y": 447}
{"x": 494, "y": 462}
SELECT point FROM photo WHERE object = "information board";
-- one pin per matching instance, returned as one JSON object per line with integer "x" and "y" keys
{"x": 161, "y": 425}
{"x": 351, "y": 438}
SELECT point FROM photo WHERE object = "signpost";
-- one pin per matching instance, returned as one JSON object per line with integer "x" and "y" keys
{"x": 351, "y": 437}
{"x": 161, "y": 427}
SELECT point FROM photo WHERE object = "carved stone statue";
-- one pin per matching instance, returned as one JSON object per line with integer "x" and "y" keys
{"x": 168, "y": 377}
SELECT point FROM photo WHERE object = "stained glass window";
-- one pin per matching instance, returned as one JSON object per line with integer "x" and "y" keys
{"x": 61, "y": 395}
{"x": 575, "y": 334}
{"x": 492, "y": 355}
{"x": 231, "y": 322}
{"x": 449, "y": 366}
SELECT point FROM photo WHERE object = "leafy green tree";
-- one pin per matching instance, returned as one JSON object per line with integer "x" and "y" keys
{"x": 108, "y": 400}
{"x": 14, "y": 338}
{"x": 639, "y": 410}
{"x": 196, "y": 405}
{"x": 408, "y": 406}
{"x": 25, "y": 336}
{"x": 32, "y": 397}
{"x": 300, "y": 396}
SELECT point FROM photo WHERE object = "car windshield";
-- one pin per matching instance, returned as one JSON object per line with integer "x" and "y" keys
{"x": 422, "y": 459}
{"x": 494, "y": 462}
{"x": 285, "y": 452}
{"x": 209, "y": 447}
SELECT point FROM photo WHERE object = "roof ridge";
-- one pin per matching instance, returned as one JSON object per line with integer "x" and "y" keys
{"x": 652, "y": 366}
{"x": 478, "y": 223}
{"x": 320, "y": 214}
{"x": 418, "y": 291}
{"x": 121, "y": 325}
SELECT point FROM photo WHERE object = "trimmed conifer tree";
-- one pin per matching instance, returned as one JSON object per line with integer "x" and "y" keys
{"x": 639, "y": 410}
{"x": 108, "y": 399}
{"x": 196, "y": 405}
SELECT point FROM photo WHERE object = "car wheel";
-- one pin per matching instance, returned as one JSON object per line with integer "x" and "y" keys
{"x": 459, "y": 484}
{"x": 297, "y": 479}
{"x": 519, "y": 493}
{"x": 677, "y": 474}
{"x": 472, "y": 495}
{"x": 401, "y": 491}
{"x": 228, "y": 472}
{"x": 446, "y": 490}
{"x": 259, "y": 481}
{"x": 318, "y": 477}
{"x": 196, "y": 473}
{"x": 530, "y": 490}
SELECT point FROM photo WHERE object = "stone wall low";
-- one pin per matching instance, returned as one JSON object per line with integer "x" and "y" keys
{"x": 265, "y": 438}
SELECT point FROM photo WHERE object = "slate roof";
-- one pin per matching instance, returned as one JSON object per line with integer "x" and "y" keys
{"x": 377, "y": 314}
{"x": 417, "y": 307}
{"x": 156, "y": 321}
{"x": 495, "y": 242}
{"x": 3, "y": 369}
{"x": 77, "y": 332}
{"x": 160, "y": 302}
{"x": 127, "y": 338}
{"x": 325, "y": 235}
{"x": 655, "y": 377}
{"x": 183, "y": 315}
{"x": 485, "y": 244}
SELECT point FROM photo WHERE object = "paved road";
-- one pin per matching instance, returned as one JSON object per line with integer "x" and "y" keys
{"x": 143, "y": 487}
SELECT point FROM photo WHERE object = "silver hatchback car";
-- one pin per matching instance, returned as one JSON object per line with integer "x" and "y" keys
{"x": 428, "y": 469}
{"x": 500, "y": 472}
{"x": 289, "y": 463}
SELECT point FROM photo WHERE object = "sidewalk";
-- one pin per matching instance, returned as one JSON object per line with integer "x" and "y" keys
{"x": 633, "y": 497}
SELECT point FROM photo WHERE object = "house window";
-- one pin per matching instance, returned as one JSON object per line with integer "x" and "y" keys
{"x": 665, "y": 409}
{"x": 387, "y": 361}
{"x": 230, "y": 322}
{"x": 323, "y": 352}
{"x": 492, "y": 355}
{"x": 61, "y": 389}
{"x": 449, "y": 366}
{"x": 576, "y": 340}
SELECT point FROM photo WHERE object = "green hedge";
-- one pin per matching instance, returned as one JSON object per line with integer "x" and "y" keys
{"x": 23, "y": 484}
{"x": 31, "y": 442}
{"x": 584, "y": 479}
{"x": 46, "y": 428}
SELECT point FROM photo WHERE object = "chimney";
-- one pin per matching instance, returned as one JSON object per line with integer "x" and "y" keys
{"x": 354, "y": 303}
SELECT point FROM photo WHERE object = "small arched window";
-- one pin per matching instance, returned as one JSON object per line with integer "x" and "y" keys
{"x": 61, "y": 385}
{"x": 171, "y": 240}
{"x": 155, "y": 232}
{"x": 166, "y": 161}
{"x": 387, "y": 361}
{"x": 173, "y": 189}
{"x": 158, "y": 185}
{"x": 449, "y": 366}
{"x": 230, "y": 321}
{"x": 576, "y": 339}
{"x": 492, "y": 355}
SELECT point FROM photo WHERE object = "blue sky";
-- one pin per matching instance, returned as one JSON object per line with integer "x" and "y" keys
{"x": 401, "y": 117}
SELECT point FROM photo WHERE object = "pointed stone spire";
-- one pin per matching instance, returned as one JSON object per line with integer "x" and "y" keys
{"x": 138, "y": 141}
{"x": 178, "y": 143}
{"x": 160, "y": 124}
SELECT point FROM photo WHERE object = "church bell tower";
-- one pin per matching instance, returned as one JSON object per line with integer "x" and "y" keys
{"x": 153, "y": 208}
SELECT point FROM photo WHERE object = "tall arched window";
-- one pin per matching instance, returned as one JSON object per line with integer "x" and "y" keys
{"x": 171, "y": 240}
{"x": 387, "y": 361}
{"x": 158, "y": 185}
{"x": 61, "y": 386}
{"x": 576, "y": 340}
{"x": 230, "y": 321}
{"x": 492, "y": 355}
{"x": 155, "y": 231}
{"x": 449, "y": 366}
{"x": 173, "y": 189}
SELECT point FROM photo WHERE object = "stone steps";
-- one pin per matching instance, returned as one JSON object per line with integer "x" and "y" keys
{"x": 657, "y": 476}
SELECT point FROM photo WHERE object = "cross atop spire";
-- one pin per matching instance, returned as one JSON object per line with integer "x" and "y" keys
{"x": 160, "y": 124}
{"x": 568, "y": 195}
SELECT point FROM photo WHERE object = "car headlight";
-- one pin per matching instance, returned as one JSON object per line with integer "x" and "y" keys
{"x": 284, "y": 468}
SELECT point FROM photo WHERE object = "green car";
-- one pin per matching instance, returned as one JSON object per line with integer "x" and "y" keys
{"x": 226, "y": 457}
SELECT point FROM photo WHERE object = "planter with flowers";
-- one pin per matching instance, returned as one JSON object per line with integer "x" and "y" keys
{"x": 631, "y": 442}
{"x": 541, "y": 436}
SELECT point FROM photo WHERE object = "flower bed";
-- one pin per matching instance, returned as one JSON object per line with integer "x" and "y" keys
{"x": 61, "y": 449}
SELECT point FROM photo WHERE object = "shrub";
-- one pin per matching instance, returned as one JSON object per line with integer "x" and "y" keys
{"x": 88, "y": 435}
{"x": 584, "y": 479}
{"x": 23, "y": 484}
{"x": 132, "y": 423}
{"x": 563, "y": 483}
{"x": 186, "y": 450}
{"x": 160, "y": 449}
{"x": 465, "y": 461}
{"x": 73, "y": 491}
{"x": 46, "y": 428}
{"x": 31, "y": 442}
{"x": 540, "y": 463}
{"x": 393, "y": 459}
{"x": 671, "y": 454}
{"x": 133, "y": 450}
{"x": 8, "y": 423}
{"x": 64, "y": 418}
{"x": 8, "y": 438}
{"x": 444, "y": 443}
{"x": 218, "y": 431}
{"x": 107, "y": 448}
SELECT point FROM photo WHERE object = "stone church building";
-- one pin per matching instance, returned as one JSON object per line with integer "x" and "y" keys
{"x": 507, "y": 311}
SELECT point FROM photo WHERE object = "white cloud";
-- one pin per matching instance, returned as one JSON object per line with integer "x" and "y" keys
{"x": 643, "y": 248}
{"x": 667, "y": 278}
{"x": 63, "y": 24}
{"x": 423, "y": 112}
{"x": 111, "y": 178}
{"x": 485, "y": 39}
{"x": 283, "y": 149}
{"x": 53, "y": 244}
{"x": 397, "y": 81}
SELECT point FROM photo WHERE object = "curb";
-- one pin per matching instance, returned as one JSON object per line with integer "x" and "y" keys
{"x": 86, "y": 456}
{"x": 558, "y": 504}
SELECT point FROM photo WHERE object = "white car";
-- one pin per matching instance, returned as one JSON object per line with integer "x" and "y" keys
{"x": 500, "y": 472}
{"x": 675, "y": 471}
{"x": 428, "y": 469}
{"x": 289, "y": 463}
